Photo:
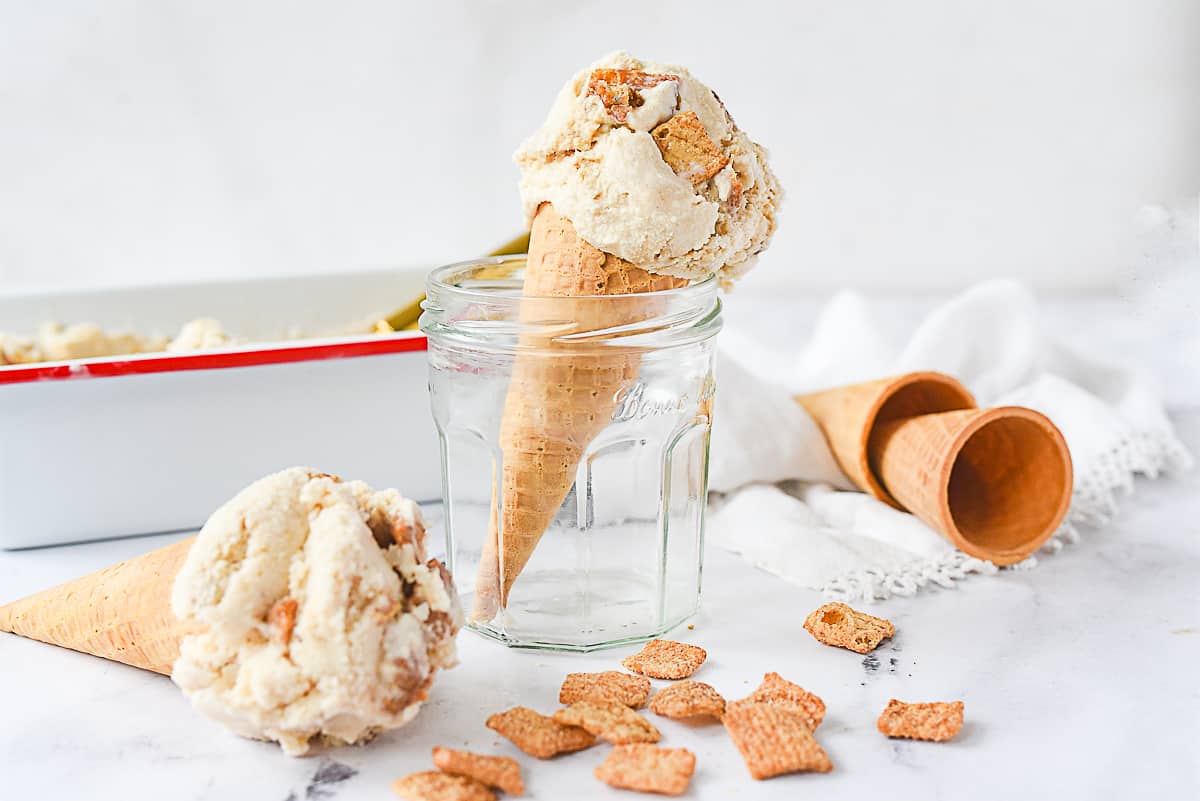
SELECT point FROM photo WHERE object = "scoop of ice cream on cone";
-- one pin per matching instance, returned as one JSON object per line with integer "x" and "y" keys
{"x": 306, "y": 609}
{"x": 647, "y": 164}
{"x": 639, "y": 181}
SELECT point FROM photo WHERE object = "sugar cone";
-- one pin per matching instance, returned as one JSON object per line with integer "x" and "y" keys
{"x": 995, "y": 482}
{"x": 848, "y": 416}
{"x": 122, "y": 612}
{"x": 559, "y": 398}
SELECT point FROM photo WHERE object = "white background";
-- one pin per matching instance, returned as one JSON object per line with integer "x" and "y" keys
{"x": 923, "y": 144}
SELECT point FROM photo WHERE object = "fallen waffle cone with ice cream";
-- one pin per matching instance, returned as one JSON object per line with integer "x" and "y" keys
{"x": 305, "y": 610}
{"x": 121, "y": 613}
{"x": 638, "y": 182}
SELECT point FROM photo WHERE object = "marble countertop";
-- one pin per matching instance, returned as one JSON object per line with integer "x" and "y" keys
{"x": 1078, "y": 678}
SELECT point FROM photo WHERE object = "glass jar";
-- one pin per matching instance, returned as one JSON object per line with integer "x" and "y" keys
{"x": 574, "y": 438}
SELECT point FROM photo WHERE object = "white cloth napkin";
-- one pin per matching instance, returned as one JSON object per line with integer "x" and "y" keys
{"x": 782, "y": 503}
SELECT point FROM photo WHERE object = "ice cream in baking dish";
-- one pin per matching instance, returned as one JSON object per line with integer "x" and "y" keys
{"x": 55, "y": 342}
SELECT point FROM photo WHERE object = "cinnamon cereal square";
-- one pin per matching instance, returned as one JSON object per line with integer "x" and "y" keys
{"x": 503, "y": 773}
{"x": 611, "y": 685}
{"x": 619, "y": 90}
{"x": 778, "y": 691}
{"x": 432, "y": 785}
{"x": 666, "y": 659}
{"x": 687, "y": 148}
{"x": 612, "y": 722}
{"x": 538, "y": 735}
{"x": 773, "y": 741}
{"x": 648, "y": 769}
{"x": 838, "y": 625}
{"x": 937, "y": 721}
{"x": 688, "y": 699}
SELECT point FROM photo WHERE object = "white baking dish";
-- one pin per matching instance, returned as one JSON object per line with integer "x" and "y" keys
{"x": 111, "y": 447}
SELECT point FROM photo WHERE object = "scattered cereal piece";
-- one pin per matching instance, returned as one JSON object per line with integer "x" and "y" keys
{"x": 936, "y": 721}
{"x": 778, "y": 691}
{"x": 838, "y": 624}
{"x": 610, "y": 721}
{"x": 688, "y": 699}
{"x": 430, "y": 785}
{"x": 538, "y": 735}
{"x": 648, "y": 769}
{"x": 774, "y": 741}
{"x": 666, "y": 659}
{"x": 503, "y": 773}
{"x": 687, "y": 148}
{"x": 611, "y": 685}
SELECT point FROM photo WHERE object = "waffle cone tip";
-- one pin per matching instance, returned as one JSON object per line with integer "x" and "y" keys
{"x": 121, "y": 613}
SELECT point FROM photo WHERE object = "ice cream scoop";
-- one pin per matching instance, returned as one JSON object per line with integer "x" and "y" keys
{"x": 648, "y": 165}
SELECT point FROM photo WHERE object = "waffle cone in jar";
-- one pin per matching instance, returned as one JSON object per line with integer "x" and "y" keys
{"x": 995, "y": 482}
{"x": 559, "y": 398}
{"x": 850, "y": 416}
{"x": 122, "y": 613}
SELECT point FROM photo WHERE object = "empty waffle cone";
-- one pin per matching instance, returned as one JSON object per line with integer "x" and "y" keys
{"x": 850, "y": 416}
{"x": 122, "y": 612}
{"x": 559, "y": 397}
{"x": 995, "y": 482}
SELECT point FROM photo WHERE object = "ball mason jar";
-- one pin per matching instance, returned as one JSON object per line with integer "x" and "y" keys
{"x": 574, "y": 445}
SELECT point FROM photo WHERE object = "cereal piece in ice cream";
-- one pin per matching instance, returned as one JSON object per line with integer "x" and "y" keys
{"x": 688, "y": 149}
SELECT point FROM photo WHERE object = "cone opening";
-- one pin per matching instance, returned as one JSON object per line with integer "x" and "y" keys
{"x": 919, "y": 394}
{"x": 1009, "y": 487}
{"x": 484, "y": 279}
{"x": 926, "y": 395}
{"x": 481, "y": 302}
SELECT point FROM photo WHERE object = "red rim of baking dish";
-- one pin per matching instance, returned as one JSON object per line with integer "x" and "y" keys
{"x": 211, "y": 360}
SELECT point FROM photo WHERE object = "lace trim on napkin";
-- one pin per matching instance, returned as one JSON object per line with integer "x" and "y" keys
{"x": 877, "y": 584}
{"x": 1094, "y": 503}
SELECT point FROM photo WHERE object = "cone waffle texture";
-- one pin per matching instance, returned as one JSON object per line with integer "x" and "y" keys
{"x": 916, "y": 459}
{"x": 558, "y": 399}
{"x": 122, "y": 612}
{"x": 848, "y": 417}
{"x": 1001, "y": 500}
